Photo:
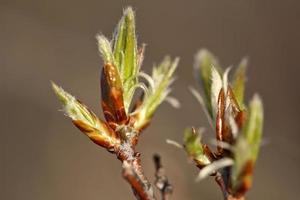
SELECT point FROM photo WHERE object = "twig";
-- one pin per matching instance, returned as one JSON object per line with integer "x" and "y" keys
{"x": 162, "y": 182}
{"x": 133, "y": 173}
{"x": 140, "y": 185}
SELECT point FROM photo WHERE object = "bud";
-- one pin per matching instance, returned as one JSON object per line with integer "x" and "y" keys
{"x": 86, "y": 120}
{"x": 112, "y": 95}
{"x": 247, "y": 147}
{"x": 199, "y": 152}
{"x": 204, "y": 61}
{"x": 125, "y": 54}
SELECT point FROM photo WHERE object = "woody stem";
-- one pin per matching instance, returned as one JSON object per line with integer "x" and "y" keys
{"x": 162, "y": 182}
{"x": 133, "y": 173}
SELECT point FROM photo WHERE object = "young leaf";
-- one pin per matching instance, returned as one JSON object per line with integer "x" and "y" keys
{"x": 125, "y": 54}
{"x": 216, "y": 86}
{"x": 239, "y": 82}
{"x": 86, "y": 120}
{"x": 162, "y": 77}
{"x": 247, "y": 147}
{"x": 254, "y": 125}
{"x": 194, "y": 148}
{"x": 204, "y": 61}
{"x": 105, "y": 49}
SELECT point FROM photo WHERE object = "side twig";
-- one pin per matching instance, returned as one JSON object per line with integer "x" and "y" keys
{"x": 162, "y": 182}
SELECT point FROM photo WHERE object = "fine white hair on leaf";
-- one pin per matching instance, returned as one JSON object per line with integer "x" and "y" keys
{"x": 143, "y": 87}
{"x": 222, "y": 144}
{"x": 105, "y": 49}
{"x": 213, "y": 167}
{"x": 216, "y": 86}
{"x": 173, "y": 101}
{"x": 199, "y": 98}
{"x": 174, "y": 143}
{"x": 225, "y": 87}
{"x": 225, "y": 79}
{"x": 145, "y": 91}
{"x": 148, "y": 78}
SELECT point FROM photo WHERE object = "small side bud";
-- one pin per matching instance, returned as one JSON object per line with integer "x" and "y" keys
{"x": 85, "y": 120}
{"x": 199, "y": 152}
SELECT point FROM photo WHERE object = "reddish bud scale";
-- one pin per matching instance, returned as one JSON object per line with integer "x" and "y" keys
{"x": 240, "y": 119}
{"x": 233, "y": 101}
{"x": 208, "y": 153}
{"x": 96, "y": 137}
{"x": 246, "y": 179}
{"x": 112, "y": 95}
{"x": 239, "y": 115}
{"x": 220, "y": 116}
{"x": 223, "y": 133}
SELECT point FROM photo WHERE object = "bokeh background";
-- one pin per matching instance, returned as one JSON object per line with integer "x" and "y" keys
{"x": 44, "y": 157}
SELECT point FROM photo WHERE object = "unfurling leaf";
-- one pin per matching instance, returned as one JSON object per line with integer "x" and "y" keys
{"x": 254, "y": 125}
{"x": 105, "y": 49}
{"x": 158, "y": 91}
{"x": 86, "y": 120}
{"x": 204, "y": 61}
{"x": 125, "y": 54}
{"x": 195, "y": 149}
{"x": 238, "y": 84}
{"x": 247, "y": 147}
{"x": 216, "y": 86}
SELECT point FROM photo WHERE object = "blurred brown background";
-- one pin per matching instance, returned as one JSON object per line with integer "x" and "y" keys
{"x": 43, "y": 157}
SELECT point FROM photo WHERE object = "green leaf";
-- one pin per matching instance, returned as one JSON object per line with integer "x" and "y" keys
{"x": 194, "y": 147}
{"x": 254, "y": 125}
{"x": 239, "y": 79}
{"x": 204, "y": 61}
{"x": 125, "y": 54}
{"x": 241, "y": 155}
{"x": 247, "y": 146}
{"x": 105, "y": 49}
{"x": 162, "y": 77}
{"x": 85, "y": 120}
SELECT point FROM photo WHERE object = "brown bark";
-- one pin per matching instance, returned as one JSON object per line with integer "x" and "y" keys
{"x": 133, "y": 172}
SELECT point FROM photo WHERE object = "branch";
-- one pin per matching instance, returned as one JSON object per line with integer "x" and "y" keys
{"x": 140, "y": 185}
{"x": 133, "y": 173}
{"x": 161, "y": 181}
